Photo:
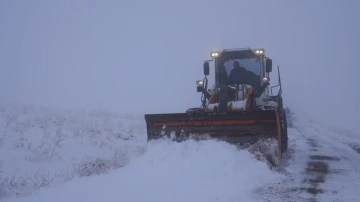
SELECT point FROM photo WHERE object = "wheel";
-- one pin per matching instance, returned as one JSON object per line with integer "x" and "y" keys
{"x": 284, "y": 133}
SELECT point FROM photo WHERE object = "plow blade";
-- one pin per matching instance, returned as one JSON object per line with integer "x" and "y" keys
{"x": 234, "y": 127}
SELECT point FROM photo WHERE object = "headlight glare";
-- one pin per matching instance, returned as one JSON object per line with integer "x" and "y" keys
{"x": 200, "y": 82}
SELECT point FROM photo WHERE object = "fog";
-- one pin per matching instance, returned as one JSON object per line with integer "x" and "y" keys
{"x": 145, "y": 56}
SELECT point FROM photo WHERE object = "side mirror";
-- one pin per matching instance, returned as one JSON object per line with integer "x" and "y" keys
{"x": 206, "y": 68}
{"x": 268, "y": 65}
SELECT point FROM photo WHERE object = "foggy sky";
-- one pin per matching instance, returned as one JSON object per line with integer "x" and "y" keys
{"x": 145, "y": 56}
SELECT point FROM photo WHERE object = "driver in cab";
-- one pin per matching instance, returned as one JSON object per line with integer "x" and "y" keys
{"x": 240, "y": 75}
{"x": 237, "y": 73}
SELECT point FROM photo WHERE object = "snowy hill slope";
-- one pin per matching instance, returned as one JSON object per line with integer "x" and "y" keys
{"x": 321, "y": 164}
{"x": 45, "y": 146}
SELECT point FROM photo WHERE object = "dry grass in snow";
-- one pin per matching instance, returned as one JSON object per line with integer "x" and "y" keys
{"x": 40, "y": 147}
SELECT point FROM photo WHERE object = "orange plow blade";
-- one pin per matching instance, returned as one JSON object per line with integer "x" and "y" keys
{"x": 235, "y": 127}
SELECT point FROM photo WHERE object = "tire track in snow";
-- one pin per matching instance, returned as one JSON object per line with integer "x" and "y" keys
{"x": 319, "y": 168}
{"x": 329, "y": 164}
{"x": 316, "y": 171}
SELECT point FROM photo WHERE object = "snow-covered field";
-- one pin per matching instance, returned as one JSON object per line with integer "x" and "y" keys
{"x": 41, "y": 147}
{"x": 59, "y": 155}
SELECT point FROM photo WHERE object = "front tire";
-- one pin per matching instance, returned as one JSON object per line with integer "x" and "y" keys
{"x": 284, "y": 133}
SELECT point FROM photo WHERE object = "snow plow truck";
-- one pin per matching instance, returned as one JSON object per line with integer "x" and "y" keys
{"x": 239, "y": 108}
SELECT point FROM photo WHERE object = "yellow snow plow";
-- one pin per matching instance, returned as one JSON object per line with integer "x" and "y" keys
{"x": 240, "y": 107}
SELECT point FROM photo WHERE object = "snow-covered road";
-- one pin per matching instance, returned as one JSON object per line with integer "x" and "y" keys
{"x": 321, "y": 164}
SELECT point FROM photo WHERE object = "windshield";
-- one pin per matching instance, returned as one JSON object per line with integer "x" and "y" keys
{"x": 252, "y": 64}
{"x": 242, "y": 71}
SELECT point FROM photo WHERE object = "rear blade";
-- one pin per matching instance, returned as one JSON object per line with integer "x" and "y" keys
{"x": 237, "y": 126}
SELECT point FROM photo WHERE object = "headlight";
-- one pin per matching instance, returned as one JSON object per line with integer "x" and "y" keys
{"x": 200, "y": 82}
{"x": 259, "y": 51}
{"x": 265, "y": 79}
{"x": 214, "y": 54}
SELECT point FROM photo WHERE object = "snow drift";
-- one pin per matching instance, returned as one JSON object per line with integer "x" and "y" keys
{"x": 168, "y": 171}
{"x": 44, "y": 148}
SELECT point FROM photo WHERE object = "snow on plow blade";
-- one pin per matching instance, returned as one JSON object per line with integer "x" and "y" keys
{"x": 235, "y": 127}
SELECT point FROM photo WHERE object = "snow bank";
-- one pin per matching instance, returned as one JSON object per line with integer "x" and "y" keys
{"x": 42, "y": 147}
{"x": 170, "y": 171}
